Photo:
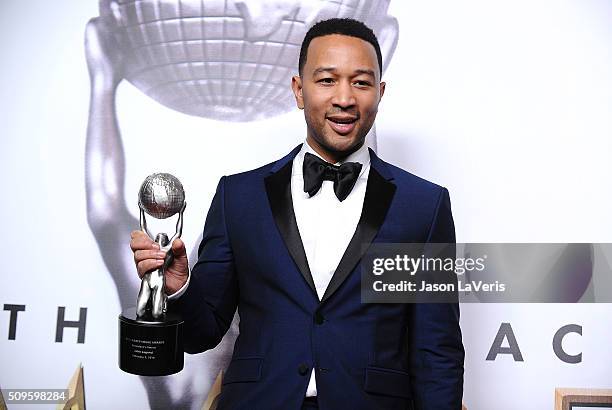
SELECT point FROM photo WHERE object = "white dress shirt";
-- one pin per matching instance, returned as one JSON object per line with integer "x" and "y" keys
{"x": 326, "y": 225}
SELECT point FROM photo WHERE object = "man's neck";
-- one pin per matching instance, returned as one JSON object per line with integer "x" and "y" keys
{"x": 332, "y": 157}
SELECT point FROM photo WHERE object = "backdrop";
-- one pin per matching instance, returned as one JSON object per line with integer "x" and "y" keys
{"x": 505, "y": 103}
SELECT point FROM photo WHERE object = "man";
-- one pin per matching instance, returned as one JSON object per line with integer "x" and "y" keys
{"x": 282, "y": 243}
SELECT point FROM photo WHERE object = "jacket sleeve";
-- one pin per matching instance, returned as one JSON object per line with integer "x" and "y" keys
{"x": 209, "y": 303}
{"x": 436, "y": 348}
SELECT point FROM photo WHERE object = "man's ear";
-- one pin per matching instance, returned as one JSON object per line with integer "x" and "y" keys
{"x": 382, "y": 90}
{"x": 296, "y": 86}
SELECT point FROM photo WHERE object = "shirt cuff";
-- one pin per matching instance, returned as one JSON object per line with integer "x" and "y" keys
{"x": 182, "y": 290}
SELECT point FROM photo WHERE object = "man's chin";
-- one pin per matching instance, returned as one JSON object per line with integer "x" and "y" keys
{"x": 343, "y": 145}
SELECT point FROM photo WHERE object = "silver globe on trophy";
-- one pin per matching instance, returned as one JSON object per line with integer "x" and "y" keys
{"x": 150, "y": 338}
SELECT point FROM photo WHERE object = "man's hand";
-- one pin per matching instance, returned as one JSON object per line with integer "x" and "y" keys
{"x": 148, "y": 257}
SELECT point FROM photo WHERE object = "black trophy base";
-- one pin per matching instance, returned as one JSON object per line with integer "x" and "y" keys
{"x": 150, "y": 347}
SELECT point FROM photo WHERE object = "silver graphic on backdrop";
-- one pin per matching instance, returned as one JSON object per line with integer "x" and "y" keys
{"x": 229, "y": 60}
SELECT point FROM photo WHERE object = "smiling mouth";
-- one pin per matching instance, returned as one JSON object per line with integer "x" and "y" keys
{"x": 343, "y": 120}
{"x": 342, "y": 125}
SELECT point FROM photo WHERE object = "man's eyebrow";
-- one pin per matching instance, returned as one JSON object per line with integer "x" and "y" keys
{"x": 366, "y": 71}
{"x": 358, "y": 71}
{"x": 319, "y": 70}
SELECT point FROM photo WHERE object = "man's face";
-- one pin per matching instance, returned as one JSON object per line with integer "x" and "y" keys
{"x": 339, "y": 90}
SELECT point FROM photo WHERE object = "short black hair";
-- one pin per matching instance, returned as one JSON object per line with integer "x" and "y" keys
{"x": 344, "y": 26}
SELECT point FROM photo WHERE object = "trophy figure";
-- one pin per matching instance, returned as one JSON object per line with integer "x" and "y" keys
{"x": 150, "y": 339}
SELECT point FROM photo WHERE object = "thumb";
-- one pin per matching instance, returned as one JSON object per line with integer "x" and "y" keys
{"x": 178, "y": 248}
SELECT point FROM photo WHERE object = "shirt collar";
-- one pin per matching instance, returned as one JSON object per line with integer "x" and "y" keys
{"x": 362, "y": 155}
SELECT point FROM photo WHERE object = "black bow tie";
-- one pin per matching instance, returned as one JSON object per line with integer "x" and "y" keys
{"x": 316, "y": 171}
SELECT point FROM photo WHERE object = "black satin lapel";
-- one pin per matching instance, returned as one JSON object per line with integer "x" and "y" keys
{"x": 278, "y": 188}
{"x": 378, "y": 196}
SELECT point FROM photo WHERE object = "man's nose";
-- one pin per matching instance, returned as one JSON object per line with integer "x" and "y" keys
{"x": 263, "y": 17}
{"x": 344, "y": 96}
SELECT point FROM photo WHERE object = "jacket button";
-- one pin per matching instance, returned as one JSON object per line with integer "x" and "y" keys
{"x": 318, "y": 318}
{"x": 303, "y": 369}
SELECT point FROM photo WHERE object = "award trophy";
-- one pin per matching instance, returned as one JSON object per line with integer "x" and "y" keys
{"x": 151, "y": 339}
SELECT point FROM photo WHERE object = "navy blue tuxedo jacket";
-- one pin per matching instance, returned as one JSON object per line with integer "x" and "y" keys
{"x": 365, "y": 356}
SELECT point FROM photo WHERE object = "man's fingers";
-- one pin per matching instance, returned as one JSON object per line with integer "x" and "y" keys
{"x": 148, "y": 265}
{"x": 140, "y": 241}
{"x": 143, "y": 254}
{"x": 149, "y": 257}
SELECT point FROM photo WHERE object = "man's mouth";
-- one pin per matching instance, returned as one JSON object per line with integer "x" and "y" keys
{"x": 342, "y": 124}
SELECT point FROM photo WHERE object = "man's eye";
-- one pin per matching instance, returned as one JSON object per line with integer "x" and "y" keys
{"x": 362, "y": 83}
{"x": 326, "y": 80}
